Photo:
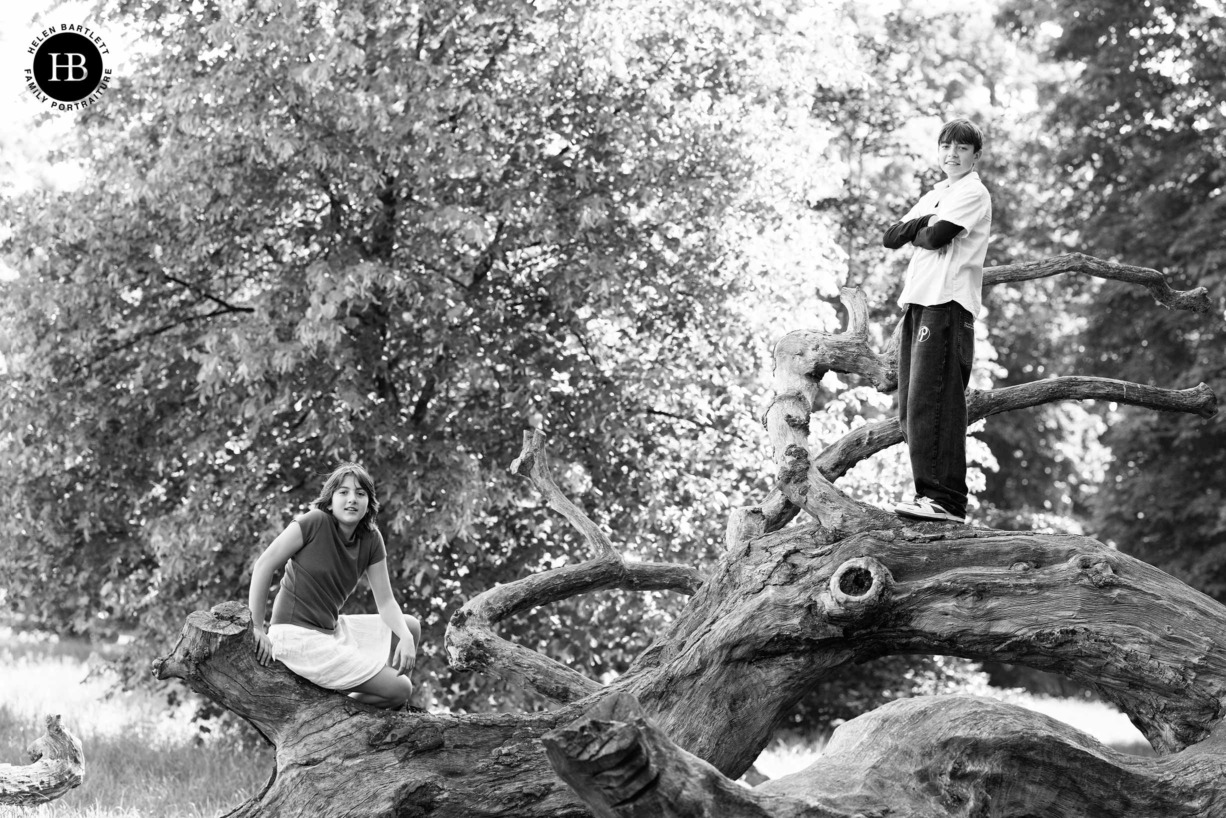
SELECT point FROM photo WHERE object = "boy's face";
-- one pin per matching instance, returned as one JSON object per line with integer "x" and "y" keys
{"x": 957, "y": 159}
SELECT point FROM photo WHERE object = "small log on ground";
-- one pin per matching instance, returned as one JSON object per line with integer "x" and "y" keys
{"x": 57, "y": 765}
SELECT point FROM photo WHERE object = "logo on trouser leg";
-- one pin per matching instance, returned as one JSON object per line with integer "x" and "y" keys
{"x": 923, "y": 334}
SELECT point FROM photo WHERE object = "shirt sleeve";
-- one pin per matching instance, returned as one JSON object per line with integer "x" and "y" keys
{"x": 936, "y": 236}
{"x": 901, "y": 234}
{"x": 926, "y": 206}
{"x": 309, "y": 523}
{"x": 964, "y": 206}
{"x": 378, "y": 550}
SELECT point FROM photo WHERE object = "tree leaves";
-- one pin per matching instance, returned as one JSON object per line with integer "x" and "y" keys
{"x": 1141, "y": 165}
{"x": 399, "y": 235}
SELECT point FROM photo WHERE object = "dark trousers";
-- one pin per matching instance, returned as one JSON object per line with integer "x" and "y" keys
{"x": 934, "y": 367}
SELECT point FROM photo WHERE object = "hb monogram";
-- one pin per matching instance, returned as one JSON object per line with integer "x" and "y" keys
{"x": 72, "y": 65}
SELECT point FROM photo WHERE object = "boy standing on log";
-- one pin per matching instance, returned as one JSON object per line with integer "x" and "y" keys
{"x": 942, "y": 297}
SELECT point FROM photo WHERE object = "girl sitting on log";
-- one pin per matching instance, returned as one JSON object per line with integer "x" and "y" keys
{"x": 323, "y": 553}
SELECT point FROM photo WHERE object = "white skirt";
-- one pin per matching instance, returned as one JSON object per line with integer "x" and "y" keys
{"x": 341, "y": 660}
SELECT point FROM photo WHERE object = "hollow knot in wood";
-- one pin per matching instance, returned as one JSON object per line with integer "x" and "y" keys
{"x": 857, "y": 587}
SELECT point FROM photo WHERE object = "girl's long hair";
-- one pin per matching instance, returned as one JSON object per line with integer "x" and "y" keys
{"x": 324, "y": 500}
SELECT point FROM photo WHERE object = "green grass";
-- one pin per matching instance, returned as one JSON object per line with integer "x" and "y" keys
{"x": 142, "y": 758}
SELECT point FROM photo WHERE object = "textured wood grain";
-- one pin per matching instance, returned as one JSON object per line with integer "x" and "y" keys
{"x": 57, "y": 765}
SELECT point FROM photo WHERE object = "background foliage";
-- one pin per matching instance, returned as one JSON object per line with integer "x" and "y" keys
{"x": 404, "y": 232}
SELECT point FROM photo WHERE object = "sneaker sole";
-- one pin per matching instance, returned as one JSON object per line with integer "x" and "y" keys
{"x": 912, "y": 515}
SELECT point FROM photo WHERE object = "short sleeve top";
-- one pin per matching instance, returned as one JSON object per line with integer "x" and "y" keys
{"x": 324, "y": 572}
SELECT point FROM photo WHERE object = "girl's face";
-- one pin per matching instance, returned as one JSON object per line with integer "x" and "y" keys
{"x": 349, "y": 503}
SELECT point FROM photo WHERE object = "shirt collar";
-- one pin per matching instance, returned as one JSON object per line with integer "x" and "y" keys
{"x": 945, "y": 183}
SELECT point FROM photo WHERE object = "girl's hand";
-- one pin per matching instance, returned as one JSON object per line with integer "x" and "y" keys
{"x": 405, "y": 657}
{"x": 263, "y": 647}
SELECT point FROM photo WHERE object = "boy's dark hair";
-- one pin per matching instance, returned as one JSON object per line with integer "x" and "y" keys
{"x": 963, "y": 132}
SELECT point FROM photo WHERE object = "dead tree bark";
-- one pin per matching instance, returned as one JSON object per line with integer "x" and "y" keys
{"x": 783, "y": 609}
{"x": 57, "y": 765}
{"x": 946, "y": 764}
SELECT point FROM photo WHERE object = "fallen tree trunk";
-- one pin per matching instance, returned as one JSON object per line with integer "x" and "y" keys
{"x": 791, "y": 608}
{"x": 782, "y": 610}
{"x": 335, "y": 756}
{"x": 967, "y": 756}
{"x": 786, "y": 611}
{"x": 946, "y": 756}
{"x": 57, "y": 765}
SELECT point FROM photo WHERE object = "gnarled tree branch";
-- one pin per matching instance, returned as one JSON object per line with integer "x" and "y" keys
{"x": 790, "y": 609}
{"x": 471, "y": 641}
{"x": 1195, "y": 300}
{"x": 623, "y": 766}
{"x": 964, "y": 756}
{"x": 779, "y": 507}
{"x": 946, "y": 756}
{"x": 57, "y": 765}
{"x": 802, "y": 357}
{"x": 867, "y": 440}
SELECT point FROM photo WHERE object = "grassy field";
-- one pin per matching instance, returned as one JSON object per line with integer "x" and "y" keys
{"x": 141, "y": 759}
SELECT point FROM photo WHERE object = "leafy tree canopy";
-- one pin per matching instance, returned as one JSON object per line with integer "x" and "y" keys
{"x": 403, "y": 232}
{"x": 400, "y": 234}
{"x": 1137, "y": 144}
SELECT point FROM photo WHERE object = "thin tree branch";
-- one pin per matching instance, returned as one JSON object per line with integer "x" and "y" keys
{"x": 871, "y": 438}
{"x": 471, "y": 641}
{"x": 802, "y": 357}
{"x": 145, "y": 336}
{"x": 778, "y": 508}
{"x": 225, "y": 305}
{"x": 472, "y": 644}
{"x": 1195, "y": 300}
{"x": 533, "y": 463}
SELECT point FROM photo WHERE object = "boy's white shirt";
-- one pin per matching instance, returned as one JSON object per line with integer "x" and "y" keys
{"x": 954, "y": 272}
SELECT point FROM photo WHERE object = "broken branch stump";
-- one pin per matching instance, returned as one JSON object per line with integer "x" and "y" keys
{"x": 57, "y": 765}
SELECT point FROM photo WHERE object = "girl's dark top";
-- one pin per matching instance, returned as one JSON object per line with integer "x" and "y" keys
{"x": 321, "y": 576}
